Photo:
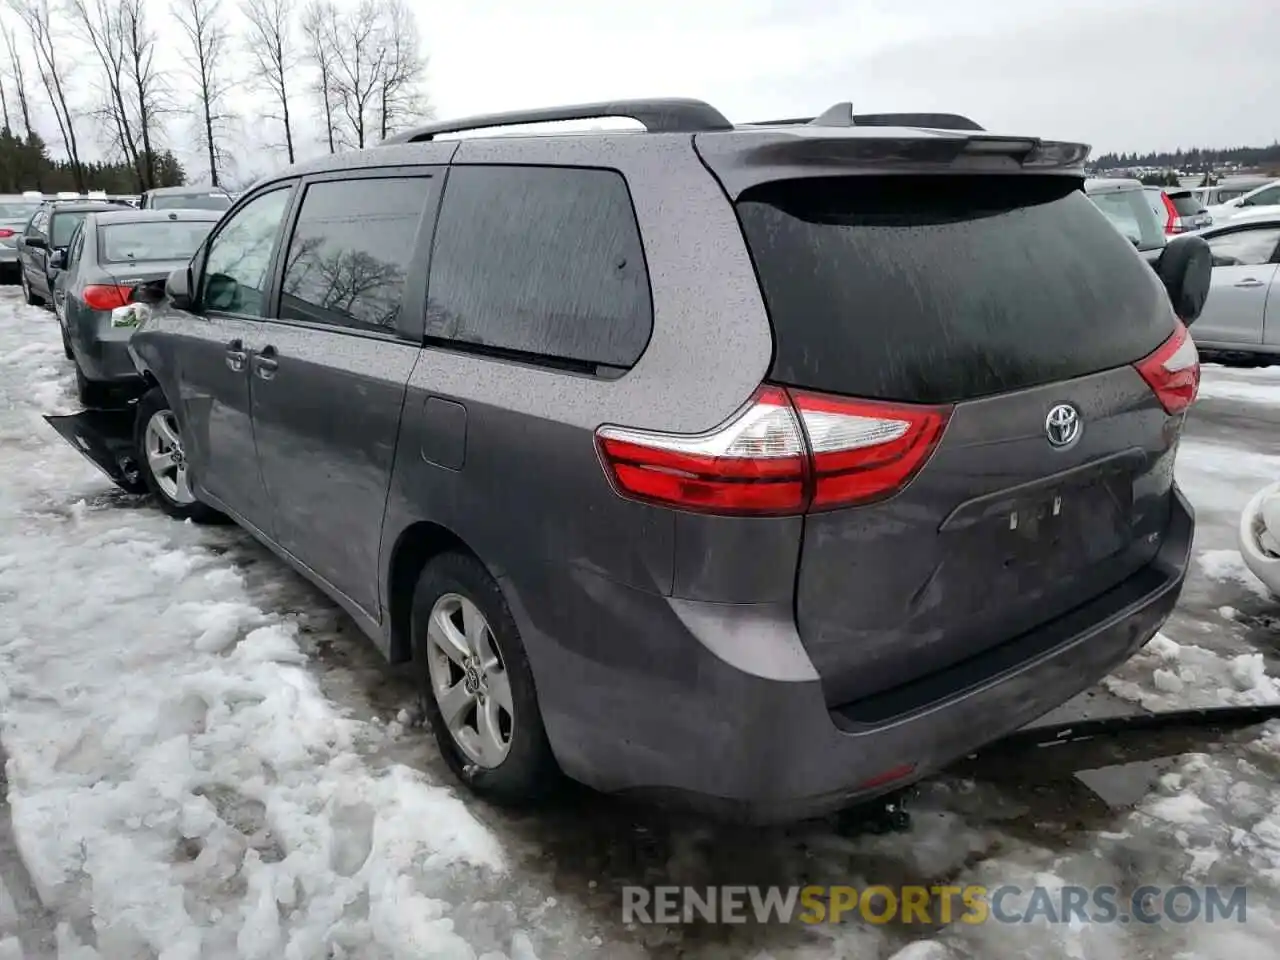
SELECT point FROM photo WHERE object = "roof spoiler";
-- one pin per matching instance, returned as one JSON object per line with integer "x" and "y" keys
{"x": 842, "y": 115}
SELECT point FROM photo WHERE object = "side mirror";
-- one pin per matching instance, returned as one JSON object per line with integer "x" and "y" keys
{"x": 37, "y": 243}
{"x": 178, "y": 288}
{"x": 58, "y": 260}
{"x": 1185, "y": 268}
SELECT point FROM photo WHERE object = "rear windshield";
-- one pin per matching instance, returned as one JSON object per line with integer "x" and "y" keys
{"x": 192, "y": 201}
{"x": 939, "y": 289}
{"x": 1186, "y": 204}
{"x": 1131, "y": 214}
{"x": 17, "y": 209}
{"x": 64, "y": 225}
{"x": 162, "y": 240}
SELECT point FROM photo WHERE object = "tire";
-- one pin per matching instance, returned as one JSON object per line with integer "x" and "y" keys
{"x": 528, "y": 770}
{"x": 66, "y": 344}
{"x": 31, "y": 298}
{"x": 153, "y": 408}
{"x": 92, "y": 395}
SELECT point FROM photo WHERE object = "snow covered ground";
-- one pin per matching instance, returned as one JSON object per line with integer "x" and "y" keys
{"x": 205, "y": 761}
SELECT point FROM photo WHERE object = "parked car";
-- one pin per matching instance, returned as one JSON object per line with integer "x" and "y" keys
{"x": 1227, "y": 190}
{"x": 15, "y": 211}
{"x": 109, "y": 255}
{"x": 185, "y": 198}
{"x": 1179, "y": 211}
{"x": 1264, "y": 199}
{"x": 1241, "y": 321}
{"x": 693, "y": 461}
{"x": 49, "y": 229}
{"x": 1125, "y": 203}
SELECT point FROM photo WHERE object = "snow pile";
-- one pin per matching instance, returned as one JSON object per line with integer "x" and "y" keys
{"x": 180, "y": 787}
{"x": 1227, "y": 564}
{"x": 1166, "y": 675}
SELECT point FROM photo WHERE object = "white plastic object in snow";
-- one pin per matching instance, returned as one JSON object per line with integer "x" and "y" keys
{"x": 129, "y": 315}
{"x": 1258, "y": 536}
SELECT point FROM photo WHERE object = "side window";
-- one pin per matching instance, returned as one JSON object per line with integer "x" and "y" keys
{"x": 40, "y": 223}
{"x": 77, "y": 244}
{"x": 350, "y": 249}
{"x": 1264, "y": 198}
{"x": 542, "y": 261}
{"x": 1245, "y": 248}
{"x": 235, "y": 278}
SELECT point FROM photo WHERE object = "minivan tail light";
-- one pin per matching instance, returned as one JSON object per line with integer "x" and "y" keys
{"x": 864, "y": 450}
{"x": 754, "y": 463}
{"x": 1172, "y": 370}
{"x": 784, "y": 453}
{"x": 106, "y": 296}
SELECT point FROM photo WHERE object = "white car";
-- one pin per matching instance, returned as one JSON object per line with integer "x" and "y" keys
{"x": 1241, "y": 320}
{"x": 1258, "y": 201}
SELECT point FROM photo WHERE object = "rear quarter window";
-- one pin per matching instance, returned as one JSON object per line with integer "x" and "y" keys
{"x": 940, "y": 289}
{"x": 540, "y": 262}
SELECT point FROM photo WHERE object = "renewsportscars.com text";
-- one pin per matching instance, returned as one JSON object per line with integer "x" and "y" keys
{"x": 972, "y": 904}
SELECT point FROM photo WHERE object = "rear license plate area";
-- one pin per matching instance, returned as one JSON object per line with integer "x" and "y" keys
{"x": 1067, "y": 526}
{"x": 1041, "y": 533}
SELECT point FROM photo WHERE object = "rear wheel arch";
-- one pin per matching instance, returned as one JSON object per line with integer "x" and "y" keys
{"x": 416, "y": 546}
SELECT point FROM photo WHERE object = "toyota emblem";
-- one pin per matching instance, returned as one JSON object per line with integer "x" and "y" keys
{"x": 1062, "y": 425}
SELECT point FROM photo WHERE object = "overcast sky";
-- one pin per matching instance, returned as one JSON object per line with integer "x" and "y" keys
{"x": 1119, "y": 74}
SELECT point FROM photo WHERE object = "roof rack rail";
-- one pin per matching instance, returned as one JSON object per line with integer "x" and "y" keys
{"x": 842, "y": 115}
{"x": 670, "y": 115}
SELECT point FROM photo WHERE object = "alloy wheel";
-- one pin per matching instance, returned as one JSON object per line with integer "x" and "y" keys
{"x": 469, "y": 680}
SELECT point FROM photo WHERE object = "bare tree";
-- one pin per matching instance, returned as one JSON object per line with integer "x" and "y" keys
{"x": 144, "y": 83}
{"x": 320, "y": 32}
{"x": 103, "y": 25}
{"x": 358, "y": 63}
{"x": 19, "y": 80}
{"x": 273, "y": 54}
{"x": 4, "y": 102}
{"x": 37, "y": 17}
{"x": 401, "y": 96}
{"x": 207, "y": 34}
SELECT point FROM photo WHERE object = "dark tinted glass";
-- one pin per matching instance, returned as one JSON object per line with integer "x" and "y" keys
{"x": 541, "y": 261}
{"x": 352, "y": 243}
{"x": 936, "y": 289}
{"x": 1185, "y": 204}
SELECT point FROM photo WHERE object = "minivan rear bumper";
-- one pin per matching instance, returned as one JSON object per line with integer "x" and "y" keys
{"x": 730, "y": 718}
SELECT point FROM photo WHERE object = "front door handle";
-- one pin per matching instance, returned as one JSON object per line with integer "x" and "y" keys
{"x": 265, "y": 363}
{"x": 236, "y": 355}
{"x": 1250, "y": 282}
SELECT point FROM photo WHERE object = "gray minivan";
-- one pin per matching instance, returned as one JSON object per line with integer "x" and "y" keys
{"x": 769, "y": 466}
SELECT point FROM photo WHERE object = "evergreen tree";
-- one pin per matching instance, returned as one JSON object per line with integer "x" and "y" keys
{"x": 26, "y": 165}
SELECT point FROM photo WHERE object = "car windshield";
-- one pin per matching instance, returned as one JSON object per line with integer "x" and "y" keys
{"x": 17, "y": 209}
{"x": 1130, "y": 213}
{"x": 192, "y": 201}
{"x": 161, "y": 240}
{"x": 1187, "y": 204}
{"x": 64, "y": 225}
